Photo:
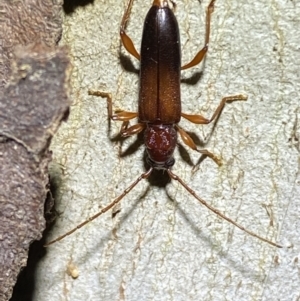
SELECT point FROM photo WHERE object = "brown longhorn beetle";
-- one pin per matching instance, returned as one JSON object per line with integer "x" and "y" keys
{"x": 159, "y": 108}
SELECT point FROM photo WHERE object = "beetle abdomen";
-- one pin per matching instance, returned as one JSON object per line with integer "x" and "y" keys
{"x": 159, "y": 98}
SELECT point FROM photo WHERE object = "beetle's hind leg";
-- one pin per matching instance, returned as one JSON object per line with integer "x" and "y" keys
{"x": 126, "y": 40}
{"x": 201, "y": 54}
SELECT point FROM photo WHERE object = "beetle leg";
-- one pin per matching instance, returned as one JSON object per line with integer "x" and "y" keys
{"x": 199, "y": 119}
{"x": 223, "y": 102}
{"x": 186, "y": 138}
{"x": 119, "y": 115}
{"x": 126, "y": 40}
{"x": 133, "y": 130}
{"x": 200, "y": 55}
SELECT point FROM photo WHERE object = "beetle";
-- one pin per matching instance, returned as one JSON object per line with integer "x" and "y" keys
{"x": 159, "y": 107}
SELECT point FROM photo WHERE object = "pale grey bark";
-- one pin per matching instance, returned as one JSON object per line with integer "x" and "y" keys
{"x": 163, "y": 245}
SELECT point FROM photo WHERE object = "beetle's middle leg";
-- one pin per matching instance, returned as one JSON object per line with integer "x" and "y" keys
{"x": 119, "y": 115}
{"x": 199, "y": 119}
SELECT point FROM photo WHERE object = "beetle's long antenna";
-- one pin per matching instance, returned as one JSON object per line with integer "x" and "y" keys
{"x": 145, "y": 175}
{"x": 216, "y": 211}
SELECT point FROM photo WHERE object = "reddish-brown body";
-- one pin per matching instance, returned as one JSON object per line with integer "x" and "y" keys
{"x": 159, "y": 99}
{"x": 159, "y": 96}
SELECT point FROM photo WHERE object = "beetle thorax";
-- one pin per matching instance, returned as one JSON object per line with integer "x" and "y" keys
{"x": 160, "y": 141}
